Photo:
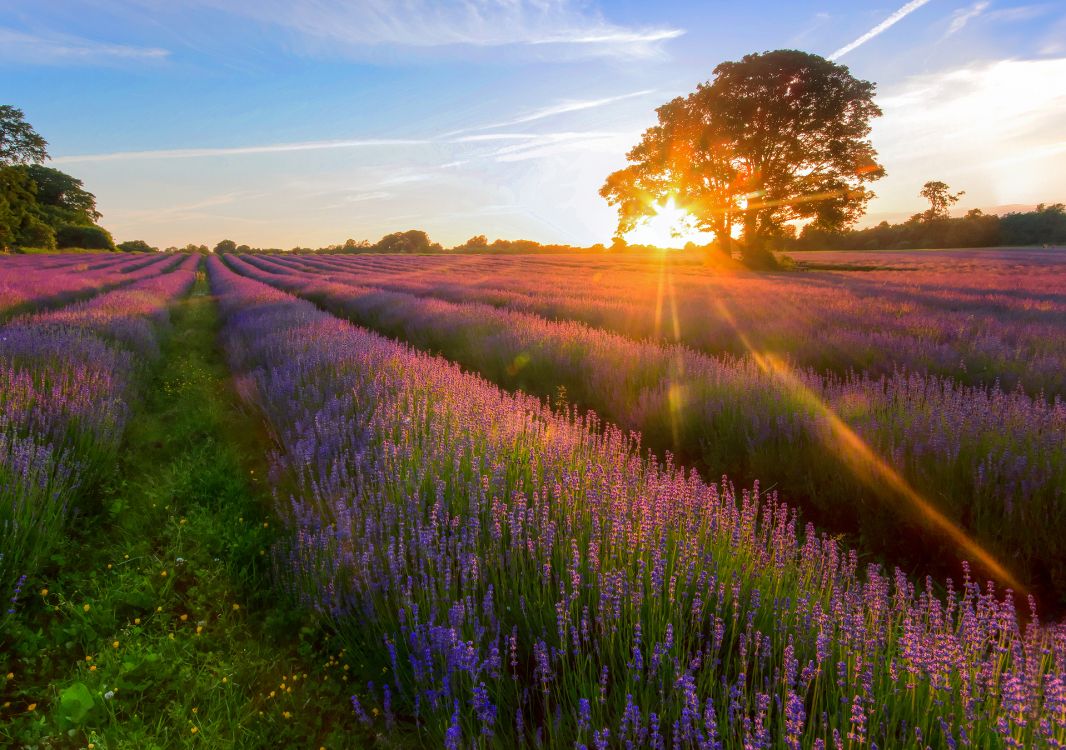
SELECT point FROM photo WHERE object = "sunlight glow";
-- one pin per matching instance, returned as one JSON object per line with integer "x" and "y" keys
{"x": 867, "y": 466}
{"x": 671, "y": 227}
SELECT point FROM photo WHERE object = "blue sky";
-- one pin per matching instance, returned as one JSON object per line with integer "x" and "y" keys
{"x": 283, "y": 122}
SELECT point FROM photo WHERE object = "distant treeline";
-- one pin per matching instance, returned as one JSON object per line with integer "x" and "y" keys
{"x": 413, "y": 241}
{"x": 1044, "y": 226}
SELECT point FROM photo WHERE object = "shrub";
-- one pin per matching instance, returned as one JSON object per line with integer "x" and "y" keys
{"x": 88, "y": 236}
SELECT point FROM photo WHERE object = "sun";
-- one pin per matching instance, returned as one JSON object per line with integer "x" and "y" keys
{"x": 670, "y": 227}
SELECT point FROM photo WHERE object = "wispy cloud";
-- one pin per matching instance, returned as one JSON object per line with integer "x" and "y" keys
{"x": 553, "y": 110}
{"x": 609, "y": 36}
{"x": 471, "y": 23}
{"x": 819, "y": 21}
{"x": 272, "y": 148}
{"x": 1013, "y": 112}
{"x": 195, "y": 209}
{"x": 530, "y": 141}
{"x": 963, "y": 16}
{"x": 553, "y": 144}
{"x": 880, "y": 28}
{"x": 57, "y": 49}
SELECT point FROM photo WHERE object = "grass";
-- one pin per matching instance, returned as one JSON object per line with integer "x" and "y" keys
{"x": 157, "y": 624}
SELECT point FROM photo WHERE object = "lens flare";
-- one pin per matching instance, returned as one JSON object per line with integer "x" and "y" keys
{"x": 869, "y": 467}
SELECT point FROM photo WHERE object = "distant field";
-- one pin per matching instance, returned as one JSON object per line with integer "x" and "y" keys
{"x": 600, "y": 501}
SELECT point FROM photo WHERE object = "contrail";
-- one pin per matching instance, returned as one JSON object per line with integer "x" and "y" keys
{"x": 273, "y": 148}
{"x": 892, "y": 20}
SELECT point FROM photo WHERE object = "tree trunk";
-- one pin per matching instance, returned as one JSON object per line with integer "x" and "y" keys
{"x": 755, "y": 254}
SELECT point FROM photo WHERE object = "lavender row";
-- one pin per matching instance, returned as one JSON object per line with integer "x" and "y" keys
{"x": 508, "y": 576}
{"x": 978, "y": 467}
{"x": 34, "y": 282}
{"x": 998, "y": 319}
{"x": 67, "y": 378}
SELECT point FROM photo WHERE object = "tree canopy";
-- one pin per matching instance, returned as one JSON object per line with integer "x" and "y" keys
{"x": 41, "y": 207}
{"x": 775, "y": 137}
{"x": 64, "y": 197}
{"x": 19, "y": 142}
{"x": 411, "y": 241}
{"x": 136, "y": 246}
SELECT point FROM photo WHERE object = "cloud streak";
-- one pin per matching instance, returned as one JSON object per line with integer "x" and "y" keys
{"x": 880, "y": 28}
{"x": 553, "y": 110}
{"x": 429, "y": 24}
{"x": 964, "y": 15}
{"x": 455, "y": 137}
{"x": 22, "y": 47}
{"x": 1013, "y": 111}
{"x": 272, "y": 148}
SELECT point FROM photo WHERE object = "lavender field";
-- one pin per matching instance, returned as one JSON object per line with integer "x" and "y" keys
{"x": 533, "y": 374}
{"x": 575, "y": 502}
{"x": 560, "y": 500}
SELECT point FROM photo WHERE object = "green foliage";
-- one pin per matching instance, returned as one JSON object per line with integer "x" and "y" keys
{"x": 19, "y": 142}
{"x": 41, "y": 207}
{"x": 411, "y": 241}
{"x": 35, "y": 233}
{"x": 17, "y": 202}
{"x": 1044, "y": 226}
{"x": 76, "y": 702}
{"x": 136, "y": 246}
{"x": 775, "y": 137}
{"x": 226, "y": 246}
{"x": 62, "y": 199}
{"x": 84, "y": 236}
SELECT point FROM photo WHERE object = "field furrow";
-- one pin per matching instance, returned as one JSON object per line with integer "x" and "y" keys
{"x": 67, "y": 380}
{"x": 510, "y": 575}
{"x": 923, "y": 470}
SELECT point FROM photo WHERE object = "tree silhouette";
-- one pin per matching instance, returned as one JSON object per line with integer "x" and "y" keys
{"x": 940, "y": 200}
{"x": 776, "y": 137}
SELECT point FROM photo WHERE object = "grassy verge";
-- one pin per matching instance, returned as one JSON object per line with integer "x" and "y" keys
{"x": 156, "y": 625}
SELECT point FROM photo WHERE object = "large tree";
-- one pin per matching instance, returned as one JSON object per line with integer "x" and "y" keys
{"x": 19, "y": 142}
{"x": 776, "y": 137}
{"x": 63, "y": 199}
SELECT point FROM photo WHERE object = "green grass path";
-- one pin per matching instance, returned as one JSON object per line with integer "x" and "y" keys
{"x": 157, "y": 625}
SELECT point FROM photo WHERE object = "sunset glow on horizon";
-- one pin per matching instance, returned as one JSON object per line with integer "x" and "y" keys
{"x": 670, "y": 228}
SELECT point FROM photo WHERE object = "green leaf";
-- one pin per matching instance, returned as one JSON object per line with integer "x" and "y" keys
{"x": 76, "y": 703}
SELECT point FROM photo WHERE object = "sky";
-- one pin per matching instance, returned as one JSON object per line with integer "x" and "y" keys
{"x": 279, "y": 123}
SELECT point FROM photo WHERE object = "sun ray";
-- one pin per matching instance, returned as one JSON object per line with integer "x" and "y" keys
{"x": 867, "y": 465}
